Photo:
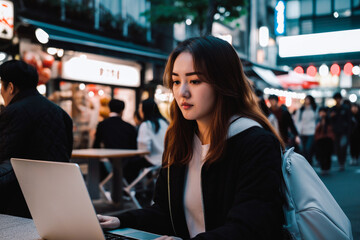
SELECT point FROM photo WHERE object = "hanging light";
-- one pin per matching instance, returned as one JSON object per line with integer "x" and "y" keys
{"x": 42, "y": 36}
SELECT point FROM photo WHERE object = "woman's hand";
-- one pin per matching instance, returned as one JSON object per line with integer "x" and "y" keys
{"x": 108, "y": 221}
{"x": 168, "y": 238}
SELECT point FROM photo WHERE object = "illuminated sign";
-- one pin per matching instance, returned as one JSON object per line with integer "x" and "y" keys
{"x": 280, "y": 18}
{"x": 319, "y": 43}
{"x": 90, "y": 70}
{"x": 6, "y": 19}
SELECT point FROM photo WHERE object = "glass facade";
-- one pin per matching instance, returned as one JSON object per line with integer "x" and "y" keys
{"x": 323, "y": 7}
{"x": 341, "y": 5}
{"x": 306, "y": 7}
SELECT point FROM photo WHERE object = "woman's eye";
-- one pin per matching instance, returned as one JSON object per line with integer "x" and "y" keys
{"x": 195, "y": 82}
{"x": 176, "y": 82}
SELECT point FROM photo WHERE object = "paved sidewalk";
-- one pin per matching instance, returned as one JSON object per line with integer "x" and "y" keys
{"x": 345, "y": 188}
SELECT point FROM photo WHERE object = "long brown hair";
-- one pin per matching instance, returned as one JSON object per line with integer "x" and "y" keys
{"x": 220, "y": 67}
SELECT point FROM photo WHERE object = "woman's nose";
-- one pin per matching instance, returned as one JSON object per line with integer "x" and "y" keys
{"x": 184, "y": 90}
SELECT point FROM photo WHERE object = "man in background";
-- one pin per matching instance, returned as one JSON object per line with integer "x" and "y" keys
{"x": 287, "y": 127}
{"x": 115, "y": 133}
{"x": 340, "y": 117}
{"x": 31, "y": 127}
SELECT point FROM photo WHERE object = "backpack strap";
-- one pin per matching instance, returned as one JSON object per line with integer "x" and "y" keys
{"x": 241, "y": 124}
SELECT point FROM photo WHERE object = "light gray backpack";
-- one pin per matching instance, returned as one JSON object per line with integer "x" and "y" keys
{"x": 311, "y": 212}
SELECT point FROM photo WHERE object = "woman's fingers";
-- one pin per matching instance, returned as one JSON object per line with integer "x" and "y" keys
{"x": 108, "y": 221}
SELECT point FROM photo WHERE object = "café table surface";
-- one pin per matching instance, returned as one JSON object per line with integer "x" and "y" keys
{"x": 17, "y": 228}
{"x": 116, "y": 155}
{"x": 107, "y": 153}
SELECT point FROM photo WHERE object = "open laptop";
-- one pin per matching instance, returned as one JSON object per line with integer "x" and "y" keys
{"x": 60, "y": 204}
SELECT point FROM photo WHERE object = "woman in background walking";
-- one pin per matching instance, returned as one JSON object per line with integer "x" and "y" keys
{"x": 305, "y": 121}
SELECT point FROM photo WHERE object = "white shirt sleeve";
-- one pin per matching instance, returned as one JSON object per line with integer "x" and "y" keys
{"x": 144, "y": 136}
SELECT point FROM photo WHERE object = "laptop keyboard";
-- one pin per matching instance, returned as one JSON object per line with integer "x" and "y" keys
{"x": 110, "y": 236}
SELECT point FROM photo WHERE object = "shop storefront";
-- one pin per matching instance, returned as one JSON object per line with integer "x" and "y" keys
{"x": 81, "y": 72}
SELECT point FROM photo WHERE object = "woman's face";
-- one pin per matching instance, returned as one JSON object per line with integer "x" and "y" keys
{"x": 307, "y": 102}
{"x": 195, "y": 98}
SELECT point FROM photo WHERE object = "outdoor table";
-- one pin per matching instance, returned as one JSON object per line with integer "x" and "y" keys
{"x": 18, "y": 228}
{"x": 94, "y": 155}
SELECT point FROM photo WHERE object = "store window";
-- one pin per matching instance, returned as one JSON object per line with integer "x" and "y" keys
{"x": 356, "y": 4}
{"x": 323, "y": 7}
{"x": 341, "y": 5}
{"x": 306, "y": 27}
{"x": 292, "y": 27}
{"x": 356, "y": 7}
{"x": 306, "y": 7}
{"x": 293, "y": 10}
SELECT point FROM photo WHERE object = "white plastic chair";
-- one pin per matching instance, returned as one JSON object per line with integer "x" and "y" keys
{"x": 130, "y": 188}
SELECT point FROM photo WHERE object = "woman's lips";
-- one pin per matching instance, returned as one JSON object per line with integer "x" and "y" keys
{"x": 186, "y": 106}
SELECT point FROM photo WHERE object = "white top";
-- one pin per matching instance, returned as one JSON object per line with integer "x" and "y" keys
{"x": 153, "y": 142}
{"x": 193, "y": 201}
{"x": 306, "y": 126}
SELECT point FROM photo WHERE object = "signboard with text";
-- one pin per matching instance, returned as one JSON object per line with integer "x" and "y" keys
{"x": 6, "y": 20}
{"x": 95, "y": 71}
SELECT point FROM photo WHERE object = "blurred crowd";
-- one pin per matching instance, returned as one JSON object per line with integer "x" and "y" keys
{"x": 318, "y": 133}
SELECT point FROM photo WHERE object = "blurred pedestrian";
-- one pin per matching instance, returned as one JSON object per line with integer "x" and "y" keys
{"x": 341, "y": 122}
{"x": 218, "y": 182}
{"x": 151, "y": 135}
{"x": 324, "y": 141}
{"x": 115, "y": 133}
{"x": 264, "y": 108}
{"x": 305, "y": 120}
{"x": 31, "y": 127}
{"x": 355, "y": 134}
{"x": 287, "y": 127}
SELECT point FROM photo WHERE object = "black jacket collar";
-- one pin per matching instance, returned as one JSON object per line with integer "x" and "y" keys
{"x": 24, "y": 94}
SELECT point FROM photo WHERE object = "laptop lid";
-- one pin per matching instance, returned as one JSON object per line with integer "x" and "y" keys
{"x": 58, "y": 199}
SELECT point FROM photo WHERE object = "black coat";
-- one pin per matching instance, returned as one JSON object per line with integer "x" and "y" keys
{"x": 31, "y": 127}
{"x": 113, "y": 132}
{"x": 240, "y": 192}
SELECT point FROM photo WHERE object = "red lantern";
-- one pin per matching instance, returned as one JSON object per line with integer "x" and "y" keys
{"x": 348, "y": 69}
{"x": 335, "y": 69}
{"x": 311, "y": 71}
{"x": 299, "y": 70}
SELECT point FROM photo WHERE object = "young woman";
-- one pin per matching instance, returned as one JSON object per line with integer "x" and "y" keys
{"x": 217, "y": 182}
{"x": 305, "y": 120}
{"x": 151, "y": 135}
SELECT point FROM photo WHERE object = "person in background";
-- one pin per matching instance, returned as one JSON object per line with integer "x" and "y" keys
{"x": 31, "y": 127}
{"x": 305, "y": 120}
{"x": 340, "y": 116}
{"x": 151, "y": 135}
{"x": 324, "y": 141}
{"x": 115, "y": 133}
{"x": 287, "y": 128}
{"x": 355, "y": 134}
{"x": 217, "y": 181}
{"x": 271, "y": 117}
